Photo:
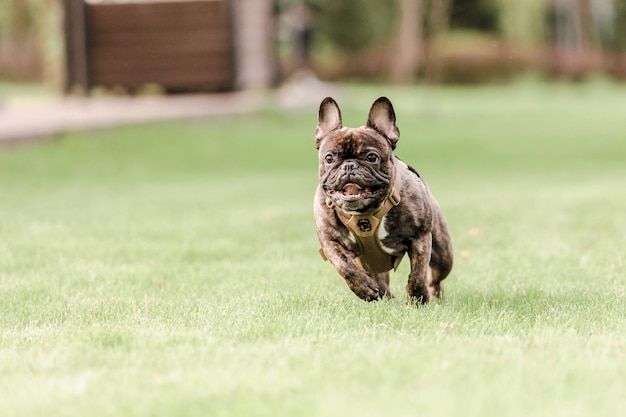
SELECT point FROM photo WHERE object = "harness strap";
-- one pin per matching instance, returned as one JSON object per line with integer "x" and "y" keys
{"x": 364, "y": 228}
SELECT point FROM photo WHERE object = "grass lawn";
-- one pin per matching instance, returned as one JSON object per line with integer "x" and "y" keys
{"x": 172, "y": 269}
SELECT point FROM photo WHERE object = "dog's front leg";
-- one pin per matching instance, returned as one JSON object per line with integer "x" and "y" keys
{"x": 346, "y": 264}
{"x": 382, "y": 279}
{"x": 419, "y": 286}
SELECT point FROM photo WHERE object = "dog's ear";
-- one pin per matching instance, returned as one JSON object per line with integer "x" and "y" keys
{"x": 383, "y": 119}
{"x": 328, "y": 119}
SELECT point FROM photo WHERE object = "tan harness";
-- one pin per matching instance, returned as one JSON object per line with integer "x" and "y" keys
{"x": 364, "y": 228}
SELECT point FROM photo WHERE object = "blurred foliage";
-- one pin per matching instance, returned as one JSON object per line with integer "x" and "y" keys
{"x": 20, "y": 16}
{"x": 41, "y": 22}
{"x": 522, "y": 21}
{"x": 618, "y": 41}
{"x": 11, "y": 12}
{"x": 352, "y": 25}
{"x": 479, "y": 15}
{"x": 347, "y": 28}
{"x": 514, "y": 20}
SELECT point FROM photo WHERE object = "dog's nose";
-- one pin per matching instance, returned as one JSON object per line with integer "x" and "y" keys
{"x": 349, "y": 166}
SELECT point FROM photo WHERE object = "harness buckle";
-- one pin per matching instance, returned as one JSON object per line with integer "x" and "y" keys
{"x": 394, "y": 197}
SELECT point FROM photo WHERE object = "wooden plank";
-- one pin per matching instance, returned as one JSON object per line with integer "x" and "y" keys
{"x": 102, "y": 36}
{"x": 130, "y": 23}
{"x": 172, "y": 80}
{"x": 172, "y": 52}
{"x": 202, "y": 75}
{"x": 158, "y": 40}
{"x": 144, "y": 16}
{"x": 157, "y": 64}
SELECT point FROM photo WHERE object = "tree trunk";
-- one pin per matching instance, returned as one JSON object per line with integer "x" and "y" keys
{"x": 408, "y": 47}
{"x": 438, "y": 16}
{"x": 253, "y": 43}
{"x": 587, "y": 38}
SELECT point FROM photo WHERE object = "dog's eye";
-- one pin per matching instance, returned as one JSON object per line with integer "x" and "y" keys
{"x": 329, "y": 159}
{"x": 371, "y": 157}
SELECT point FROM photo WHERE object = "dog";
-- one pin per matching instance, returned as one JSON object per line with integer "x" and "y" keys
{"x": 371, "y": 208}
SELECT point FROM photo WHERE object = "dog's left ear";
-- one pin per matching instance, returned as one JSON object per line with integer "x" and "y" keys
{"x": 382, "y": 118}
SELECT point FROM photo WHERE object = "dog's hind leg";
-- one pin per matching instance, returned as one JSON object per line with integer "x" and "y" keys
{"x": 435, "y": 287}
{"x": 441, "y": 258}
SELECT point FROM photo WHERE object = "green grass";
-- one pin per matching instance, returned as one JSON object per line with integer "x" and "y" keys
{"x": 172, "y": 269}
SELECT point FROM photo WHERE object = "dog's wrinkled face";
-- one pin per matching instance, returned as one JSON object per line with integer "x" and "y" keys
{"x": 356, "y": 164}
{"x": 355, "y": 168}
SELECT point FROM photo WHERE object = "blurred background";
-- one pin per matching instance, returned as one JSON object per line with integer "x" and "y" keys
{"x": 244, "y": 55}
{"x": 76, "y": 46}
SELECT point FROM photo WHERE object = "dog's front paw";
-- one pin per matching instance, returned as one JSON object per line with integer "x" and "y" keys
{"x": 367, "y": 291}
{"x": 418, "y": 294}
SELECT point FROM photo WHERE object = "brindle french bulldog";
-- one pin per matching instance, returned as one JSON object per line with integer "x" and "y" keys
{"x": 371, "y": 208}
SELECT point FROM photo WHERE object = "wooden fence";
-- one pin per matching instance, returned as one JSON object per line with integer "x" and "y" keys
{"x": 181, "y": 45}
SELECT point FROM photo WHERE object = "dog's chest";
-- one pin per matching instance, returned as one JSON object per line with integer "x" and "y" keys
{"x": 381, "y": 234}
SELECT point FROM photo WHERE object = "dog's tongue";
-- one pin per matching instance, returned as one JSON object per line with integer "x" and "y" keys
{"x": 351, "y": 189}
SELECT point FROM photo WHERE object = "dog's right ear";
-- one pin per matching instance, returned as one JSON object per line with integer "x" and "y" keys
{"x": 382, "y": 118}
{"x": 328, "y": 119}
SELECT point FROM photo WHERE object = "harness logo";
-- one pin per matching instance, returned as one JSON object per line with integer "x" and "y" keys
{"x": 364, "y": 225}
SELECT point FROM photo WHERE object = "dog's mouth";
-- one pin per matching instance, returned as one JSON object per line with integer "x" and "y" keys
{"x": 355, "y": 192}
